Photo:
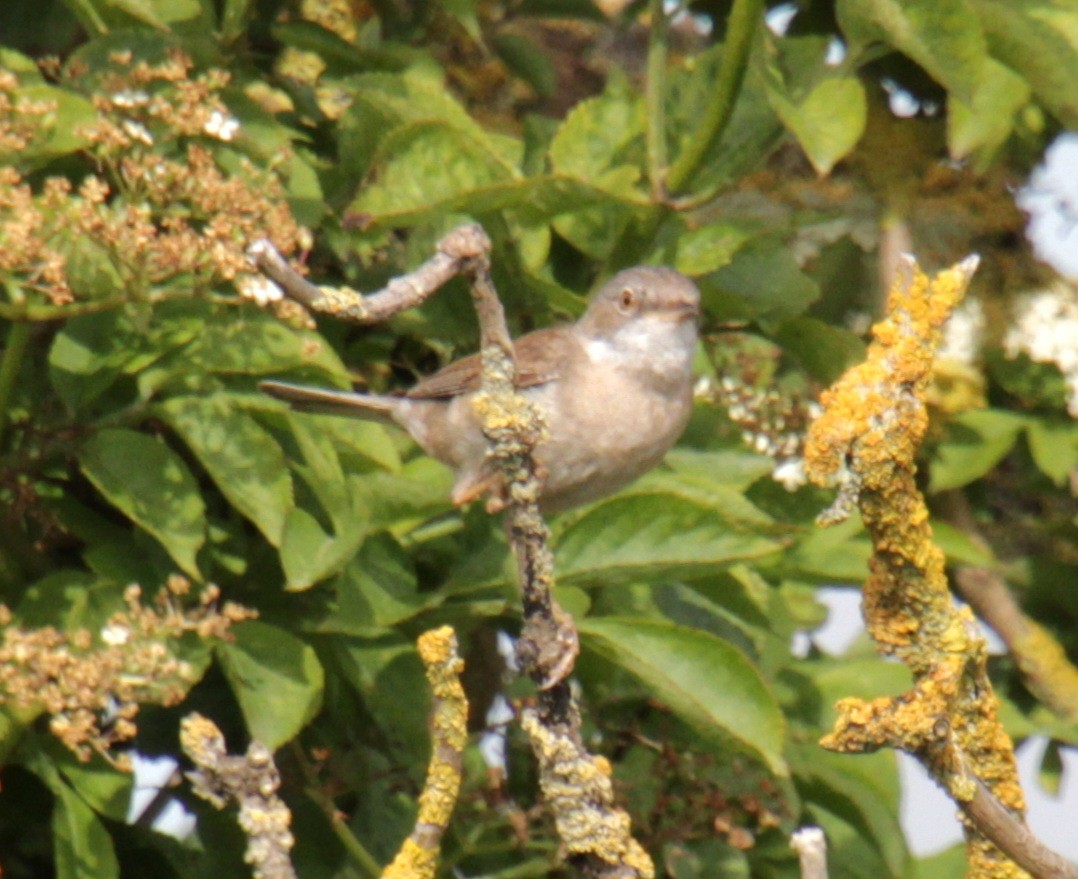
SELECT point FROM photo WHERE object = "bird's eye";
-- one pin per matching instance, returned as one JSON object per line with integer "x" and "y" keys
{"x": 627, "y": 299}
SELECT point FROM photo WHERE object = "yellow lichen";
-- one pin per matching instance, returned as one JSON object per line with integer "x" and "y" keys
{"x": 418, "y": 856}
{"x": 578, "y": 789}
{"x": 873, "y": 422}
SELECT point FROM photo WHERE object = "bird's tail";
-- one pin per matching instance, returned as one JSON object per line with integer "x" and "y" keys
{"x": 373, "y": 407}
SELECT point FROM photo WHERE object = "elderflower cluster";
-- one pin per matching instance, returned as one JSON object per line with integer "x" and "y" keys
{"x": 154, "y": 212}
{"x": 91, "y": 688}
{"x": 1046, "y": 330}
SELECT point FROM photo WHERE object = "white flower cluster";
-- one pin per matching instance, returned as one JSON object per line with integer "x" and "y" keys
{"x": 221, "y": 126}
{"x": 259, "y": 289}
{"x": 1046, "y": 329}
{"x": 963, "y": 334}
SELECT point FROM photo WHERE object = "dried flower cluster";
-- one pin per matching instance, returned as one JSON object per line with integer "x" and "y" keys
{"x": 91, "y": 687}
{"x": 155, "y": 210}
{"x": 771, "y": 422}
{"x": 20, "y": 116}
{"x": 1046, "y": 329}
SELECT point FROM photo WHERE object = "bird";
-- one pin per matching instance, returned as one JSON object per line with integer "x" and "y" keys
{"x": 614, "y": 387}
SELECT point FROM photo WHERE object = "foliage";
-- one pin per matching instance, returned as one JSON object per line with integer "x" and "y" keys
{"x": 144, "y": 144}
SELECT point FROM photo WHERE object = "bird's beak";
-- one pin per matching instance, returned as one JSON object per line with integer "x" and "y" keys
{"x": 680, "y": 311}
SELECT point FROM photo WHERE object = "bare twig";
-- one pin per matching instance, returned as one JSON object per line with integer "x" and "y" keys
{"x": 873, "y": 422}
{"x": 811, "y": 847}
{"x": 418, "y": 857}
{"x": 1048, "y": 673}
{"x": 252, "y": 782}
{"x": 399, "y": 294}
{"x": 1014, "y": 838}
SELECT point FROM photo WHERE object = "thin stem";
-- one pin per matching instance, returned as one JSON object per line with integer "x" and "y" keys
{"x": 18, "y": 338}
{"x": 740, "y": 29}
{"x": 655, "y": 97}
{"x": 362, "y": 859}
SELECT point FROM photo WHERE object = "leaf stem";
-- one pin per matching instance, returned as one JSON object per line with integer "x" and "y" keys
{"x": 740, "y": 29}
{"x": 655, "y": 99}
{"x": 18, "y": 338}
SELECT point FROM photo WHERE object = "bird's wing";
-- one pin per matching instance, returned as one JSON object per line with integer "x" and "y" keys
{"x": 540, "y": 358}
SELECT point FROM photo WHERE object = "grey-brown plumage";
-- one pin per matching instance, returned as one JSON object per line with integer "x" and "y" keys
{"x": 615, "y": 388}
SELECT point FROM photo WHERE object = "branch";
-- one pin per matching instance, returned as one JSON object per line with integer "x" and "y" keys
{"x": 655, "y": 99}
{"x": 18, "y": 338}
{"x": 811, "y": 847}
{"x": 1014, "y": 838}
{"x": 399, "y": 294}
{"x": 418, "y": 857}
{"x": 1048, "y": 672}
{"x": 866, "y": 439}
{"x": 741, "y": 26}
{"x": 252, "y": 782}
{"x": 577, "y": 785}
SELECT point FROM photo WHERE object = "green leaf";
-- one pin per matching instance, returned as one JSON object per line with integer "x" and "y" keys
{"x": 828, "y": 121}
{"x": 234, "y": 15}
{"x": 428, "y": 166}
{"x": 377, "y": 589}
{"x": 824, "y": 350}
{"x": 599, "y": 135}
{"x": 976, "y": 441}
{"x": 708, "y": 683}
{"x": 1038, "y": 39}
{"x": 750, "y": 136}
{"x": 87, "y": 355}
{"x": 105, "y": 788}
{"x": 987, "y": 120}
{"x": 1054, "y": 447}
{"x": 250, "y": 341}
{"x": 943, "y": 36}
{"x": 850, "y": 853}
{"x": 56, "y": 133}
{"x": 958, "y": 547}
{"x": 341, "y": 57}
{"x": 651, "y": 536}
{"x": 277, "y": 680}
{"x": 309, "y": 554}
{"x": 92, "y": 351}
{"x": 856, "y": 791}
{"x": 526, "y": 60}
{"x": 244, "y": 461}
{"x": 82, "y": 844}
{"x": 949, "y": 862}
{"x": 835, "y": 555}
{"x": 763, "y": 282}
{"x": 707, "y": 248}
{"x": 150, "y": 484}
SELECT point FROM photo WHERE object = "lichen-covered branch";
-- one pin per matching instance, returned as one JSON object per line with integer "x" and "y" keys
{"x": 251, "y": 781}
{"x": 399, "y": 294}
{"x": 418, "y": 857}
{"x": 865, "y": 441}
{"x": 595, "y": 831}
{"x": 576, "y": 785}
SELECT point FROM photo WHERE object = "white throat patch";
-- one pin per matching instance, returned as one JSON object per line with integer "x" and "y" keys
{"x": 654, "y": 345}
